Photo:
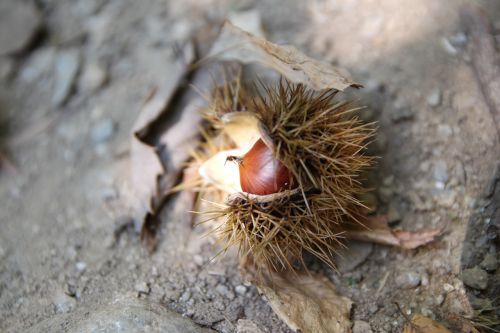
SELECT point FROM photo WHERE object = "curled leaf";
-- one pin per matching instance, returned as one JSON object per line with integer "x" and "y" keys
{"x": 239, "y": 45}
{"x": 306, "y": 302}
{"x": 377, "y": 230}
{"x": 422, "y": 324}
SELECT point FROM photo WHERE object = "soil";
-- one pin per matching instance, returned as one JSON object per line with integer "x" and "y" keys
{"x": 67, "y": 240}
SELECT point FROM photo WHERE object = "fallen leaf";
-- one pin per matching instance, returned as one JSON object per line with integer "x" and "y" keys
{"x": 422, "y": 324}
{"x": 145, "y": 162}
{"x": 377, "y": 230}
{"x": 306, "y": 302}
{"x": 239, "y": 45}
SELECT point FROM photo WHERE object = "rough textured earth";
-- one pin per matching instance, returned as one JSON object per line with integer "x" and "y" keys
{"x": 67, "y": 105}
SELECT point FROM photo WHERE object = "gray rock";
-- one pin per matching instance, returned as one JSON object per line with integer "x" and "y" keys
{"x": 240, "y": 290}
{"x": 142, "y": 287}
{"x": 19, "y": 23}
{"x": 247, "y": 326}
{"x": 186, "y": 296}
{"x": 434, "y": 98}
{"x": 124, "y": 314}
{"x": 67, "y": 67}
{"x": 102, "y": 131}
{"x": 402, "y": 114}
{"x": 393, "y": 213}
{"x": 62, "y": 302}
{"x": 94, "y": 76}
{"x": 81, "y": 266}
{"x": 440, "y": 171}
{"x": 361, "y": 327}
{"x": 40, "y": 63}
{"x": 489, "y": 263}
{"x": 224, "y": 291}
{"x": 408, "y": 280}
{"x": 355, "y": 254}
{"x": 475, "y": 278}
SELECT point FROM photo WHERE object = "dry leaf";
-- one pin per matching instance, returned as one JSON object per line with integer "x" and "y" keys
{"x": 306, "y": 302}
{"x": 236, "y": 44}
{"x": 422, "y": 324}
{"x": 146, "y": 164}
{"x": 377, "y": 230}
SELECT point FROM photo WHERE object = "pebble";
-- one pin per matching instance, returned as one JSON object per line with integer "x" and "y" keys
{"x": 20, "y": 22}
{"x": 355, "y": 254}
{"x": 408, "y": 280}
{"x": 489, "y": 263}
{"x": 81, "y": 266}
{"x": 439, "y": 299}
{"x": 186, "y": 295}
{"x": 361, "y": 327}
{"x": 448, "y": 47}
{"x": 224, "y": 291}
{"x": 402, "y": 114}
{"x": 94, "y": 76}
{"x": 434, "y": 98}
{"x": 102, "y": 131}
{"x": 63, "y": 302}
{"x": 247, "y": 326}
{"x": 123, "y": 314}
{"x": 440, "y": 171}
{"x": 67, "y": 67}
{"x": 393, "y": 214}
{"x": 448, "y": 287}
{"x": 475, "y": 278}
{"x": 142, "y": 288}
{"x": 240, "y": 289}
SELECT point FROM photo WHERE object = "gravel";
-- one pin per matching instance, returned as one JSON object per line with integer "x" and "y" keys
{"x": 67, "y": 67}
{"x": 475, "y": 278}
{"x": 408, "y": 280}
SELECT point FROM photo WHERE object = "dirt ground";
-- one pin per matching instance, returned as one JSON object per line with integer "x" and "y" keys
{"x": 67, "y": 242}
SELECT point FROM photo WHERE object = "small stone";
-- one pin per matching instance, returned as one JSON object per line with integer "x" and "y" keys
{"x": 247, "y": 326}
{"x": 385, "y": 193}
{"x": 240, "y": 290}
{"x": 475, "y": 278}
{"x": 361, "y": 327}
{"x": 355, "y": 254}
{"x": 393, "y": 214}
{"x": 489, "y": 263}
{"x": 94, "y": 76}
{"x": 448, "y": 47}
{"x": 425, "y": 280}
{"x": 408, "y": 280}
{"x": 67, "y": 67}
{"x": 434, "y": 98}
{"x": 427, "y": 312}
{"x": 440, "y": 171}
{"x": 402, "y": 114}
{"x": 102, "y": 131}
{"x": 448, "y": 287}
{"x": 63, "y": 302}
{"x": 81, "y": 266}
{"x": 439, "y": 299}
{"x": 186, "y": 295}
{"x": 142, "y": 288}
{"x": 224, "y": 291}
{"x": 373, "y": 308}
{"x": 19, "y": 23}
{"x": 198, "y": 260}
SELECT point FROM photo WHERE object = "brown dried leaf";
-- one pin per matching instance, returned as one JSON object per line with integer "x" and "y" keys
{"x": 145, "y": 162}
{"x": 238, "y": 45}
{"x": 306, "y": 302}
{"x": 377, "y": 230}
{"x": 422, "y": 324}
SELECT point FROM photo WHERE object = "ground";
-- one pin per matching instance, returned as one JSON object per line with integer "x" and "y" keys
{"x": 66, "y": 241}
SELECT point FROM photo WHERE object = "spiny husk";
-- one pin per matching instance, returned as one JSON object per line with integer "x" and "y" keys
{"x": 322, "y": 143}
